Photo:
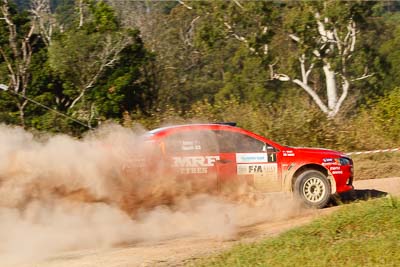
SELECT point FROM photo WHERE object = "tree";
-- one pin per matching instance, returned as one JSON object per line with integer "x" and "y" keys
{"x": 326, "y": 36}
{"x": 83, "y": 56}
{"x": 241, "y": 33}
{"x": 196, "y": 59}
{"x": 390, "y": 50}
{"x": 128, "y": 86}
{"x": 18, "y": 40}
{"x": 45, "y": 20}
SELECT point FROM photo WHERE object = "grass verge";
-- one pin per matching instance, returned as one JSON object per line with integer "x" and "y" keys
{"x": 360, "y": 234}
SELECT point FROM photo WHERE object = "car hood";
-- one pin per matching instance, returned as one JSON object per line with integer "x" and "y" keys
{"x": 324, "y": 151}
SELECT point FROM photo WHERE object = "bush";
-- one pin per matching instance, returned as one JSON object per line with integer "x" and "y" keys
{"x": 379, "y": 126}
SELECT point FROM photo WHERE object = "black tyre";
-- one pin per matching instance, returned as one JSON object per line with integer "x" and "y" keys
{"x": 313, "y": 188}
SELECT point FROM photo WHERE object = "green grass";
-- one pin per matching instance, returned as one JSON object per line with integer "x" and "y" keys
{"x": 377, "y": 165}
{"x": 360, "y": 234}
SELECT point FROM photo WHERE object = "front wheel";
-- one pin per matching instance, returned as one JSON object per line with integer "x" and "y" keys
{"x": 313, "y": 188}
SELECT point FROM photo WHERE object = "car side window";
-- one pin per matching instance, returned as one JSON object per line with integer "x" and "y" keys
{"x": 191, "y": 142}
{"x": 232, "y": 142}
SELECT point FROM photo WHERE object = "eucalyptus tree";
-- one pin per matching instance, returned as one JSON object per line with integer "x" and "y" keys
{"x": 327, "y": 45}
{"x": 318, "y": 46}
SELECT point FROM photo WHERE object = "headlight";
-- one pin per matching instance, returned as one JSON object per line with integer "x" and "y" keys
{"x": 344, "y": 161}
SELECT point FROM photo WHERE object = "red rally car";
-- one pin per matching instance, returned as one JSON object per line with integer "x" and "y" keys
{"x": 223, "y": 155}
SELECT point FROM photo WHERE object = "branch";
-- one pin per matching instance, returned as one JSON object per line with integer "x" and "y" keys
{"x": 365, "y": 76}
{"x": 11, "y": 27}
{"x": 91, "y": 115}
{"x": 185, "y": 5}
{"x": 305, "y": 73}
{"x": 303, "y": 84}
{"x": 80, "y": 14}
{"x": 240, "y": 38}
{"x": 348, "y": 35}
{"x": 294, "y": 38}
{"x": 313, "y": 95}
{"x": 327, "y": 36}
{"x": 10, "y": 68}
{"x": 350, "y": 39}
{"x": 189, "y": 33}
{"x": 109, "y": 56}
{"x": 42, "y": 15}
{"x": 352, "y": 27}
{"x": 321, "y": 28}
{"x": 266, "y": 49}
{"x": 345, "y": 90}
{"x": 338, "y": 41}
{"x": 277, "y": 76}
{"x": 238, "y": 4}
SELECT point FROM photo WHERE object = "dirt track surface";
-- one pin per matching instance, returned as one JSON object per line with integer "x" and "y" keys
{"x": 388, "y": 185}
{"x": 177, "y": 252}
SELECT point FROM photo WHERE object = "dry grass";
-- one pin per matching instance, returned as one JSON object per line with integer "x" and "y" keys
{"x": 378, "y": 165}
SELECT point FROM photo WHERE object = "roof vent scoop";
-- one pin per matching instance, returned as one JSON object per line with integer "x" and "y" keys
{"x": 227, "y": 123}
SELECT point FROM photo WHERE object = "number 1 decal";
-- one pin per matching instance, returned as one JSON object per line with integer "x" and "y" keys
{"x": 272, "y": 157}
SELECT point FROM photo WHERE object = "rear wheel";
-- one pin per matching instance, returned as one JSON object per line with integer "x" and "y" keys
{"x": 313, "y": 188}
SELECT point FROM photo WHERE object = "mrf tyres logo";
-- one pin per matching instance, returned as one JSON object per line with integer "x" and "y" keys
{"x": 196, "y": 164}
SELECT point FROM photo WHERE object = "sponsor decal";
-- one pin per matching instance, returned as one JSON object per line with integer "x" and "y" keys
{"x": 254, "y": 157}
{"x": 288, "y": 153}
{"x": 269, "y": 170}
{"x": 265, "y": 175}
{"x": 195, "y": 161}
{"x": 195, "y": 164}
{"x": 328, "y": 160}
{"x": 193, "y": 170}
{"x": 335, "y": 170}
{"x": 191, "y": 145}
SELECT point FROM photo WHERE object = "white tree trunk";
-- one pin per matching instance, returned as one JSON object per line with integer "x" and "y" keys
{"x": 331, "y": 88}
{"x": 81, "y": 15}
{"x": 330, "y": 43}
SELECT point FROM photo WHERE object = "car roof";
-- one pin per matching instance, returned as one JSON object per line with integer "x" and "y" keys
{"x": 191, "y": 126}
{"x": 163, "y": 131}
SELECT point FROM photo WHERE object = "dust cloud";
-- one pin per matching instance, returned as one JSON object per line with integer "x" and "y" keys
{"x": 60, "y": 194}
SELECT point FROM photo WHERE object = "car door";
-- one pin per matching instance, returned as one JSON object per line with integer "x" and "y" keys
{"x": 245, "y": 160}
{"x": 192, "y": 155}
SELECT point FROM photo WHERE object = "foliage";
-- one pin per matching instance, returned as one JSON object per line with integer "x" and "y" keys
{"x": 126, "y": 87}
{"x": 166, "y": 62}
{"x": 390, "y": 51}
{"x": 18, "y": 43}
{"x": 378, "y": 125}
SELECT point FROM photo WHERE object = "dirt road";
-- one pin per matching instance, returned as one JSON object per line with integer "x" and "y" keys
{"x": 177, "y": 251}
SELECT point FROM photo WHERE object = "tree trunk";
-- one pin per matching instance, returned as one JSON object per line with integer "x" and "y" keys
{"x": 331, "y": 87}
{"x": 21, "y": 109}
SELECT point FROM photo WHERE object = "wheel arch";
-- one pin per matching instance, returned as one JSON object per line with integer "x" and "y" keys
{"x": 315, "y": 167}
